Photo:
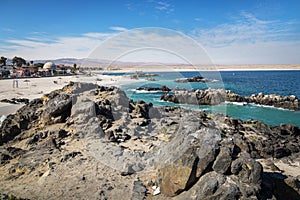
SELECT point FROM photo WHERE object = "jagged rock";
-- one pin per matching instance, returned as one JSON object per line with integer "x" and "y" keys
{"x": 83, "y": 110}
{"x": 247, "y": 170}
{"x": 15, "y": 100}
{"x": 287, "y": 102}
{"x": 217, "y": 96}
{"x": 199, "y": 97}
{"x": 210, "y": 186}
{"x": 60, "y": 106}
{"x": 183, "y": 172}
{"x": 164, "y": 88}
{"x": 223, "y": 160}
{"x": 193, "y": 79}
{"x": 25, "y": 118}
{"x": 189, "y": 154}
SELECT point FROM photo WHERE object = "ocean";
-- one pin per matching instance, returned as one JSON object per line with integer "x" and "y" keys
{"x": 241, "y": 82}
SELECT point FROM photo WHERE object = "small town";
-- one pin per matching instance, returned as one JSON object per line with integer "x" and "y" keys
{"x": 18, "y": 67}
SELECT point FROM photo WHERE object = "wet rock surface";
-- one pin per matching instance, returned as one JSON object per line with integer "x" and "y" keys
{"x": 99, "y": 144}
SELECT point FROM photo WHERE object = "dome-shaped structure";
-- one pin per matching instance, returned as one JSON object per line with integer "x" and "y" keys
{"x": 49, "y": 66}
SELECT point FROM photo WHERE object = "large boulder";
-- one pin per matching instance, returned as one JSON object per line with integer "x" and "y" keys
{"x": 223, "y": 161}
{"x": 184, "y": 169}
{"x": 25, "y": 118}
{"x": 211, "y": 186}
{"x": 58, "y": 107}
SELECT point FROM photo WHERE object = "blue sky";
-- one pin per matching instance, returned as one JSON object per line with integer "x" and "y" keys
{"x": 231, "y": 31}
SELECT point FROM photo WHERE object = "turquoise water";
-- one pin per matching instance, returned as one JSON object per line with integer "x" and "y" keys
{"x": 241, "y": 82}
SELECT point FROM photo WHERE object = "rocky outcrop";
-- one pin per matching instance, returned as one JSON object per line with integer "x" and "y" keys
{"x": 217, "y": 96}
{"x": 99, "y": 144}
{"x": 198, "y": 97}
{"x": 199, "y": 170}
{"x": 193, "y": 79}
{"x": 163, "y": 89}
{"x": 24, "y": 119}
{"x": 286, "y": 102}
{"x": 15, "y": 100}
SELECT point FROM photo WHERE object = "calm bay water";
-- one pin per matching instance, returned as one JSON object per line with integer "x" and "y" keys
{"x": 240, "y": 82}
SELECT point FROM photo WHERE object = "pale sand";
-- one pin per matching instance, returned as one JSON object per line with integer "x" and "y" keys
{"x": 37, "y": 87}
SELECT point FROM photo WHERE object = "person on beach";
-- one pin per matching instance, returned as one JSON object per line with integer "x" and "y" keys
{"x": 15, "y": 81}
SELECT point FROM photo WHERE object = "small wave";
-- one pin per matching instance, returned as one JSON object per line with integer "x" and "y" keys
{"x": 237, "y": 103}
{"x": 146, "y": 91}
{"x": 267, "y": 106}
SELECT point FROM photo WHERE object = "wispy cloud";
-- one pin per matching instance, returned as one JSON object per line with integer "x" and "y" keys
{"x": 51, "y": 48}
{"x": 246, "y": 28}
{"x": 249, "y": 39}
{"x": 164, "y": 6}
{"x": 97, "y": 35}
{"x": 118, "y": 28}
{"x": 198, "y": 19}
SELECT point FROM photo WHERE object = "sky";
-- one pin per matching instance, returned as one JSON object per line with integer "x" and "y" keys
{"x": 229, "y": 31}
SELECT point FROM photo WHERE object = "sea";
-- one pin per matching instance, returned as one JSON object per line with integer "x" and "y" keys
{"x": 245, "y": 83}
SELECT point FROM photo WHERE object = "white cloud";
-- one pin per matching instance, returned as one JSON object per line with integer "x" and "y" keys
{"x": 152, "y": 45}
{"x": 52, "y": 48}
{"x": 246, "y": 29}
{"x": 164, "y": 6}
{"x": 249, "y": 40}
{"x": 118, "y": 28}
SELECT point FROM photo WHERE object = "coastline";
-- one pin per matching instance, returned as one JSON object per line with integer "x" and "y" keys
{"x": 176, "y": 68}
{"x": 119, "y": 150}
{"x": 37, "y": 87}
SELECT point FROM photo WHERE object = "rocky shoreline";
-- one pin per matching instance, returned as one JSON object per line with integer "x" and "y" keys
{"x": 93, "y": 142}
{"x": 194, "y": 79}
{"x": 217, "y": 96}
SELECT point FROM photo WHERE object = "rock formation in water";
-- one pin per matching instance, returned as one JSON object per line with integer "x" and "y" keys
{"x": 93, "y": 142}
{"x": 193, "y": 79}
{"x": 217, "y": 96}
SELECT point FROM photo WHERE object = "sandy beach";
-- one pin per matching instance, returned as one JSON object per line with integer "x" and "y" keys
{"x": 32, "y": 88}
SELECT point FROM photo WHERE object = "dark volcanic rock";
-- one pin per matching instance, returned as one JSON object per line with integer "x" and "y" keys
{"x": 108, "y": 139}
{"x": 15, "y": 100}
{"x": 247, "y": 170}
{"x": 185, "y": 170}
{"x": 60, "y": 106}
{"x": 25, "y": 118}
{"x": 199, "y": 97}
{"x": 288, "y": 102}
{"x": 193, "y": 79}
{"x": 209, "y": 173}
{"x": 223, "y": 161}
{"x": 163, "y": 89}
{"x": 217, "y": 96}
